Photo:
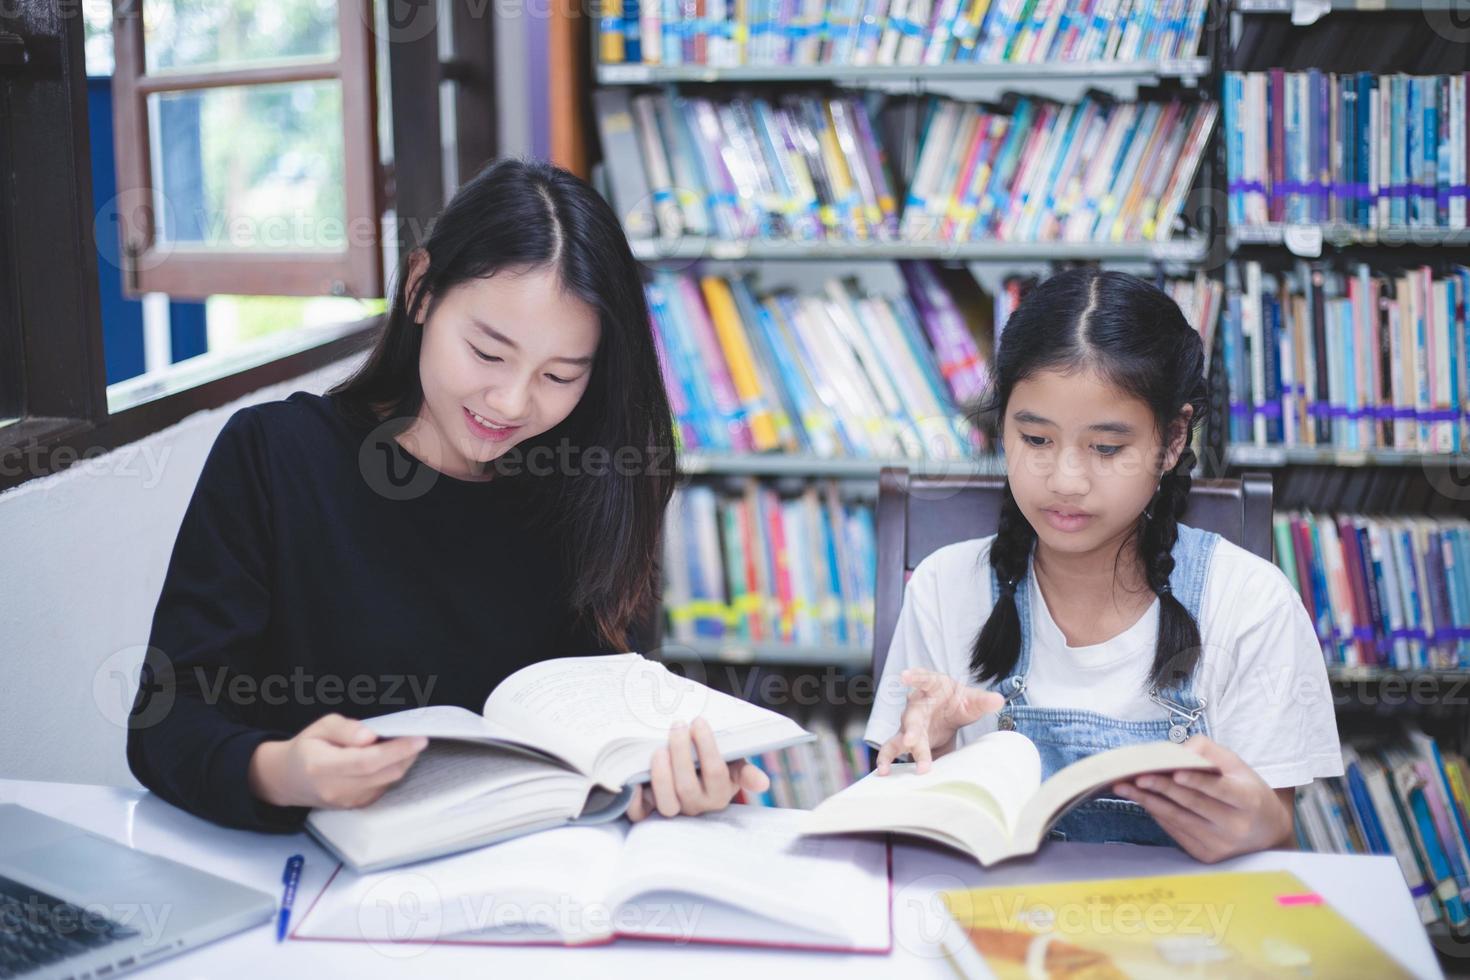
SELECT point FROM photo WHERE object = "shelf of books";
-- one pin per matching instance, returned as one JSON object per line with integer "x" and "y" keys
{"x": 838, "y": 205}
{"x": 1309, "y": 11}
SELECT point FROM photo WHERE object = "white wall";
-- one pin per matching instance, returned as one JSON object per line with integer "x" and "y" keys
{"x": 82, "y": 559}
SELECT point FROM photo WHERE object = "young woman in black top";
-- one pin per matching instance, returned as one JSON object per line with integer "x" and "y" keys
{"x": 487, "y": 491}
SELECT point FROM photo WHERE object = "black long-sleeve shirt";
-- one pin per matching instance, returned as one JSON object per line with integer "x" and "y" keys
{"x": 320, "y": 568}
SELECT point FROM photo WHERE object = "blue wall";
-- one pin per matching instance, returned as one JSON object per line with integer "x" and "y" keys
{"x": 122, "y": 318}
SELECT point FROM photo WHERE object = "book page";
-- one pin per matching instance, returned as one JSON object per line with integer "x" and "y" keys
{"x": 1086, "y": 777}
{"x": 450, "y": 721}
{"x": 550, "y": 883}
{"x": 582, "y": 707}
{"x": 755, "y": 858}
{"x": 445, "y": 775}
{"x": 997, "y": 773}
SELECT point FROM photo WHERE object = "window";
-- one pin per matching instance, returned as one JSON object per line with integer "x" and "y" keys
{"x": 238, "y": 193}
{"x": 246, "y": 142}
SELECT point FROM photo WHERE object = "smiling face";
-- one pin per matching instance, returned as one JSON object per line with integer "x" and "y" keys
{"x": 1083, "y": 459}
{"x": 502, "y": 360}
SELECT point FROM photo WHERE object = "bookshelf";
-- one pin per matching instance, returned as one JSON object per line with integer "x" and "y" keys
{"x": 1203, "y": 240}
{"x": 1309, "y": 11}
{"x": 1189, "y": 251}
{"x": 1187, "y": 70}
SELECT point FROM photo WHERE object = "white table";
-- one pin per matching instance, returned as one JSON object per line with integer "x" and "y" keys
{"x": 1369, "y": 891}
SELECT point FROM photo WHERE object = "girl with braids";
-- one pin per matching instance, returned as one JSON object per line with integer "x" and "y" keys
{"x": 1094, "y": 617}
{"x": 486, "y": 491}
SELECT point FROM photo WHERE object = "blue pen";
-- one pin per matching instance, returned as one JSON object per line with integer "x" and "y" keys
{"x": 289, "y": 878}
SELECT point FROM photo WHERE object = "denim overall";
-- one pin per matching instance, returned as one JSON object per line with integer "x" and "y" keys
{"x": 1065, "y": 735}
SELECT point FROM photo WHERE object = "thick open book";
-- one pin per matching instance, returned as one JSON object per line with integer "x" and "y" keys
{"x": 743, "y": 875}
{"x": 988, "y": 799}
{"x": 560, "y": 740}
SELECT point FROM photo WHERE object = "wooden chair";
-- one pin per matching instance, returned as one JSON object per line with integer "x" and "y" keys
{"x": 917, "y": 515}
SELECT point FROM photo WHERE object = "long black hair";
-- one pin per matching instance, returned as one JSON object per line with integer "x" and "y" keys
{"x": 1131, "y": 333}
{"x": 518, "y": 214}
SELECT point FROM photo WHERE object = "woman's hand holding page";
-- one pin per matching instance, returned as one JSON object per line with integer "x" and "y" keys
{"x": 333, "y": 762}
{"x": 1215, "y": 815}
{"x": 677, "y": 787}
{"x": 938, "y": 707}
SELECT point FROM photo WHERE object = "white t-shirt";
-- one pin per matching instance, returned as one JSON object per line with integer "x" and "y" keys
{"x": 1261, "y": 671}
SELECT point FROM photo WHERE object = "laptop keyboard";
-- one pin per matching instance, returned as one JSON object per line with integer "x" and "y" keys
{"x": 37, "y": 929}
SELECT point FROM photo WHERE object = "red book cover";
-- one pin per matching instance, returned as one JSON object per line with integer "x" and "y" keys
{"x": 1303, "y": 538}
{"x": 1347, "y": 537}
{"x": 754, "y": 615}
{"x": 1277, "y": 83}
{"x": 1299, "y": 560}
{"x": 780, "y": 563}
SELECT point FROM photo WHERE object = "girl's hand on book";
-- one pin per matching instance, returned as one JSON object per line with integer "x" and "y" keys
{"x": 1215, "y": 815}
{"x": 938, "y": 707}
{"x": 677, "y": 787}
{"x": 334, "y": 762}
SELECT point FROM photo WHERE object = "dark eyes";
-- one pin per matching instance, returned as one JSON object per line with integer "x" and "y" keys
{"x": 491, "y": 358}
{"x": 1037, "y": 442}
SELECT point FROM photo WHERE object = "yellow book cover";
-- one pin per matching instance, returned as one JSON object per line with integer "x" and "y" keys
{"x": 1224, "y": 924}
{"x": 610, "y": 37}
{"x": 973, "y": 19}
{"x": 1454, "y": 770}
{"x": 740, "y": 360}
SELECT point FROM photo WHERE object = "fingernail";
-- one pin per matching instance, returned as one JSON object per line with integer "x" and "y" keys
{"x": 1148, "y": 782}
{"x": 1124, "y": 792}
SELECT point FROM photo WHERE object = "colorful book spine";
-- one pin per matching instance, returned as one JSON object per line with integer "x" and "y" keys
{"x": 836, "y": 372}
{"x": 1383, "y": 357}
{"x": 1383, "y": 592}
{"x": 760, "y": 566}
{"x": 1357, "y": 149}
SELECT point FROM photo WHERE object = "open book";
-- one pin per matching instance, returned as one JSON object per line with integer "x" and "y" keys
{"x": 988, "y": 798}
{"x": 742, "y": 875}
{"x": 561, "y": 740}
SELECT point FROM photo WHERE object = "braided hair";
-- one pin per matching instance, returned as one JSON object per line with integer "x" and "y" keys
{"x": 1131, "y": 333}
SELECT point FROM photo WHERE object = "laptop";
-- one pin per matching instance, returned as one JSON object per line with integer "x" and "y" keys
{"x": 75, "y": 904}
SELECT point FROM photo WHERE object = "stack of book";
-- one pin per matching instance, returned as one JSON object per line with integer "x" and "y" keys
{"x": 1359, "y": 149}
{"x": 719, "y": 33}
{"x": 1316, "y": 357}
{"x": 837, "y": 372}
{"x": 1382, "y": 591}
{"x": 1408, "y": 799}
{"x": 758, "y": 567}
{"x": 808, "y": 168}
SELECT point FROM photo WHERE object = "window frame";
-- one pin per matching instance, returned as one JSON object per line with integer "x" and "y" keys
{"x": 195, "y": 273}
{"x": 53, "y": 389}
{"x": 52, "y": 363}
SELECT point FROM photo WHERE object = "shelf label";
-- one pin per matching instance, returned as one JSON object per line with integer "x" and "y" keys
{"x": 727, "y": 250}
{"x": 625, "y": 74}
{"x": 1304, "y": 12}
{"x": 1304, "y": 240}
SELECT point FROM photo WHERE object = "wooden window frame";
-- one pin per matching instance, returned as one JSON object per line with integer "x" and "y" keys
{"x": 53, "y": 390}
{"x": 198, "y": 272}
